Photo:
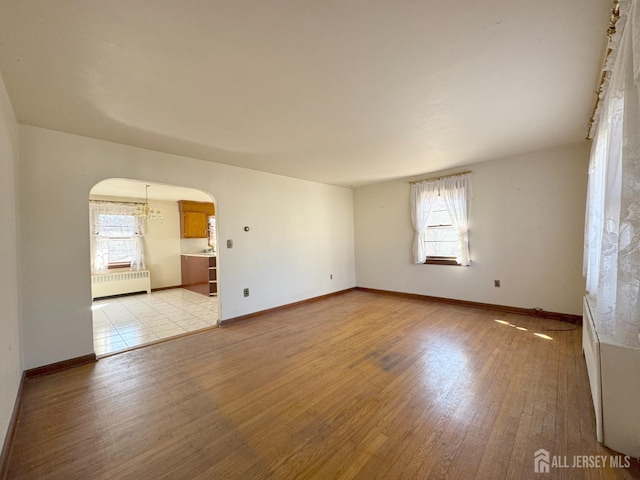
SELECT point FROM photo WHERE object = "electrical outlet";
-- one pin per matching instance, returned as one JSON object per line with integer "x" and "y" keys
{"x": 229, "y": 243}
{"x": 331, "y": 277}
{"x": 496, "y": 283}
{"x": 246, "y": 292}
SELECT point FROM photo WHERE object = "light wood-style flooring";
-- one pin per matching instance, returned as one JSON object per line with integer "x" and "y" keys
{"x": 359, "y": 385}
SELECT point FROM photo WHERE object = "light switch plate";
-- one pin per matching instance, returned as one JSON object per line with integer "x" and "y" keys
{"x": 229, "y": 243}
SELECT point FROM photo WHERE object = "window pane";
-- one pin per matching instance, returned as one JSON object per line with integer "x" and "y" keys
{"x": 120, "y": 250}
{"x": 441, "y": 242}
{"x": 116, "y": 225}
{"x": 439, "y": 217}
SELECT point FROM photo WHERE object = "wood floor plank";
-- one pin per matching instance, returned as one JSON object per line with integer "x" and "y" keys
{"x": 357, "y": 386}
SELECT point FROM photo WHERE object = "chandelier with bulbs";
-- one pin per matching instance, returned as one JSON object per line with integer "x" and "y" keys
{"x": 144, "y": 210}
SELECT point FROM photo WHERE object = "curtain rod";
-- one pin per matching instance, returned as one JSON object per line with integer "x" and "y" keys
{"x": 432, "y": 179}
{"x": 611, "y": 31}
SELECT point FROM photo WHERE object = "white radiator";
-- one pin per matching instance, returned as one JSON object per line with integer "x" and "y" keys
{"x": 108, "y": 284}
{"x": 615, "y": 385}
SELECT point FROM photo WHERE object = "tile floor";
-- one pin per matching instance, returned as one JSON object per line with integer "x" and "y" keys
{"x": 125, "y": 322}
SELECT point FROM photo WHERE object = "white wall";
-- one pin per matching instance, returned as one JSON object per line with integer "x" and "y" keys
{"x": 526, "y": 230}
{"x": 300, "y": 233}
{"x": 10, "y": 351}
{"x": 162, "y": 246}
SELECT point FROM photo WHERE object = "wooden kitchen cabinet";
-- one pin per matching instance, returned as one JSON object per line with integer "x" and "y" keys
{"x": 194, "y": 218}
{"x": 199, "y": 274}
{"x": 194, "y": 225}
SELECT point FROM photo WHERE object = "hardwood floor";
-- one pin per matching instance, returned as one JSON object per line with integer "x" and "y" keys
{"x": 359, "y": 385}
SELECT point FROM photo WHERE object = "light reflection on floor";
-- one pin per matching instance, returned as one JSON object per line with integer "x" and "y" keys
{"x": 537, "y": 334}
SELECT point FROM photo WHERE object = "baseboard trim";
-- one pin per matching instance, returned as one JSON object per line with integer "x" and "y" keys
{"x": 59, "y": 366}
{"x": 233, "y": 321}
{"x": 159, "y": 289}
{"x": 565, "y": 317}
{"x": 11, "y": 431}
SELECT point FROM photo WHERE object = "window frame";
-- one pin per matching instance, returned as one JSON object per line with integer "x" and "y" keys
{"x": 116, "y": 265}
{"x": 442, "y": 261}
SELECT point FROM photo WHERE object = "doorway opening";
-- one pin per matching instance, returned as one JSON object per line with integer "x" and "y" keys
{"x": 154, "y": 264}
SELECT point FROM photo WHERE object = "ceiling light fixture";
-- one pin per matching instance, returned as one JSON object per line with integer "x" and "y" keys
{"x": 144, "y": 210}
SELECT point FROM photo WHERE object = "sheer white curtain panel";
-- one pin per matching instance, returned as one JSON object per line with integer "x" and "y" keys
{"x": 423, "y": 196}
{"x": 456, "y": 192}
{"x": 612, "y": 231}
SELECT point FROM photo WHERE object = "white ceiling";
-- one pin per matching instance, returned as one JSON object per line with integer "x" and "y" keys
{"x": 345, "y": 92}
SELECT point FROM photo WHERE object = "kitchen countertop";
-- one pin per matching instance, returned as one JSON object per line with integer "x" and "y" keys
{"x": 202, "y": 254}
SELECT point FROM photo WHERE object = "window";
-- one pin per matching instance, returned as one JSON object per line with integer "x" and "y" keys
{"x": 441, "y": 241}
{"x": 612, "y": 230}
{"x": 440, "y": 220}
{"x": 212, "y": 232}
{"x": 120, "y": 231}
{"x": 116, "y": 237}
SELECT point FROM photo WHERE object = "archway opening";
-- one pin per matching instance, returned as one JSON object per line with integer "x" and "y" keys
{"x": 154, "y": 265}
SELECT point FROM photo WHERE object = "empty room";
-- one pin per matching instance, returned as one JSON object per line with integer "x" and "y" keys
{"x": 316, "y": 239}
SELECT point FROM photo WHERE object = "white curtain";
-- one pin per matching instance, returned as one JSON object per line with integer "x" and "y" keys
{"x": 423, "y": 195}
{"x": 100, "y": 234}
{"x": 99, "y": 254}
{"x": 612, "y": 232}
{"x": 137, "y": 262}
{"x": 456, "y": 192}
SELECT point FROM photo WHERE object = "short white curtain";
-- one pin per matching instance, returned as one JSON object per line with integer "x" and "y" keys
{"x": 99, "y": 239}
{"x": 423, "y": 196}
{"x": 612, "y": 231}
{"x": 99, "y": 254}
{"x": 138, "y": 262}
{"x": 456, "y": 192}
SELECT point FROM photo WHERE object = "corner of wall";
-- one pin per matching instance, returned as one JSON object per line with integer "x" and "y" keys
{"x": 11, "y": 345}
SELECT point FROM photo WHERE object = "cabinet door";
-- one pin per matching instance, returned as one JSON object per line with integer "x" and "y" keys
{"x": 195, "y": 274}
{"x": 195, "y": 225}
